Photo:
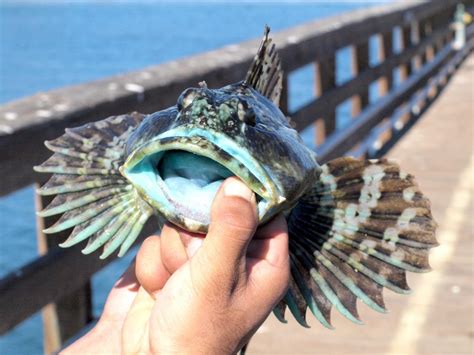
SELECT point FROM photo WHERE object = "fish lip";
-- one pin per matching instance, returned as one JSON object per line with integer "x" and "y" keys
{"x": 196, "y": 137}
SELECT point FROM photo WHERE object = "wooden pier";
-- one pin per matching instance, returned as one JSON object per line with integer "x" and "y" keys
{"x": 437, "y": 318}
{"x": 423, "y": 117}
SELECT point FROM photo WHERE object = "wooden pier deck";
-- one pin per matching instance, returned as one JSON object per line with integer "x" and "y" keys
{"x": 437, "y": 318}
{"x": 406, "y": 51}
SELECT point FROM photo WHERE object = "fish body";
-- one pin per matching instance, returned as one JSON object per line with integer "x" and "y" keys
{"x": 355, "y": 226}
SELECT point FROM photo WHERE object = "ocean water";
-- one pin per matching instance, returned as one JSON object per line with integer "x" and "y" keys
{"x": 50, "y": 44}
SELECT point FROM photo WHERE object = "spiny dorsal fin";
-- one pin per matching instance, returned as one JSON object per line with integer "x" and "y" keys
{"x": 265, "y": 74}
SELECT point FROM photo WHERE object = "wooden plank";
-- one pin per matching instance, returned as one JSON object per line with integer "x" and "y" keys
{"x": 72, "y": 312}
{"x": 326, "y": 102}
{"x": 341, "y": 142}
{"x": 360, "y": 63}
{"x": 325, "y": 81}
{"x": 50, "y": 277}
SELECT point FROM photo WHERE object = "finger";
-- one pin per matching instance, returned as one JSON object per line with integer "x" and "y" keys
{"x": 121, "y": 296}
{"x": 273, "y": 250}
{"x": 135, "y": 326}
{"x": 275, "y": 227}
{"x": 233, "y": 223}
{"x": 268, "y": 269}
{"x": 268, "y": 263}
{"x": 173, "y": 252}
{"x": 191, "y": 241}
{"x": 115, "y": 311}
{"x": 149, "y": 269}
{"x": 220, "y": 262}
{"x": 270, "y": 243}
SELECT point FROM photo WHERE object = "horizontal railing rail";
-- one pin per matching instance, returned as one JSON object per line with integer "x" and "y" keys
{"x": 424, "y": 33}
{"x": 326, "y": 103}
{"x": 26, "y": 123}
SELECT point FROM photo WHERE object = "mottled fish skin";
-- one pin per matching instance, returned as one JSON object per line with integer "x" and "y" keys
{"x": 249, "y": 119}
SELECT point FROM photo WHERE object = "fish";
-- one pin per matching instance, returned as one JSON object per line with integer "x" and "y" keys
{"x": 355, "y": 226}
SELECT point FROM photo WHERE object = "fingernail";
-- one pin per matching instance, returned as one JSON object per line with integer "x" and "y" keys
{"x": 236, "y": 188}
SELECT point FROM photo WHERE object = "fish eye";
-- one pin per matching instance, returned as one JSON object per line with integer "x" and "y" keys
{"x": 246, "y": 114}
{"x": 186, "y": 98}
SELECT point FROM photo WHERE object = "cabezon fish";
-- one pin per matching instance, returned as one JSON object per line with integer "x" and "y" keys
{"x": 355, "y": 226}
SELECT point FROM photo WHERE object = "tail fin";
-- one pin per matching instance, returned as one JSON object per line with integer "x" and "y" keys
{"x": 358, "y": 230}
{"x": 92, "y": 196}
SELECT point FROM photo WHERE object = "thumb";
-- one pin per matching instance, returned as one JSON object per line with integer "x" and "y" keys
{"x": 234, "y": 220}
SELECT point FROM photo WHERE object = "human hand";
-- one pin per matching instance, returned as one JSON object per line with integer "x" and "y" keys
{"x": 198, "y": 295}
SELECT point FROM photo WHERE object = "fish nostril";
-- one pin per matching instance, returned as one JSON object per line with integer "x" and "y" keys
{"x": 250, "y": 118}
{"x": 246, "y": 114}
{"x": 186, "y": 98}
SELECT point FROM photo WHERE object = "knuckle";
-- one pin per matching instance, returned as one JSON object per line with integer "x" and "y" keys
{"x": 150, "y": 240}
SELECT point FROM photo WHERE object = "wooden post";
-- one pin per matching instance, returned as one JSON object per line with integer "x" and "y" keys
{"x": 67, "y": 316}
{"x": 386, "y": 82}
{"x": 415, "y": 39}
{"x": 360, "y": 62}
{"x": 386, "y": 51}
{"x": 406, "y": 69}
{"x": 325, "y": 81}
{"x": 425, "y": 30}
{"x": 438, "y": 22}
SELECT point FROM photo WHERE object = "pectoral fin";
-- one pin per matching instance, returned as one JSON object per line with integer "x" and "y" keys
{"x": 93, "y": 197}
{"x": 358, "y": 230}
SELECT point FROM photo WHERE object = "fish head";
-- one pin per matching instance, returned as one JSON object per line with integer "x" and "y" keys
{"x": 179, "y": 157}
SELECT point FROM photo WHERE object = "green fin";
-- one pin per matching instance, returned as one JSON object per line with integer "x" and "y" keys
{"x": 358, "y": 230}
{"x": 265, "y": 74}
{"x": 92, "y": 196}
{"x": 279, "y": 311}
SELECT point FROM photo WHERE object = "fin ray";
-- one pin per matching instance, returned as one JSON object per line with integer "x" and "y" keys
{"x": 265, "y": 74}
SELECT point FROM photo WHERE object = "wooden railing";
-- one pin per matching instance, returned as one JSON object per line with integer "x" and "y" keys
{"x": 424, "y": 59}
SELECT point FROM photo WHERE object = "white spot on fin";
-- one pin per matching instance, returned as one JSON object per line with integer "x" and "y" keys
{"x": 408, "y": 194}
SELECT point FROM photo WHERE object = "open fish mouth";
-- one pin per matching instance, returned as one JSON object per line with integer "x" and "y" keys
{"x": 180, "y": 171}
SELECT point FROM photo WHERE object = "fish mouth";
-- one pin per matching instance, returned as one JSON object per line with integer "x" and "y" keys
{"x": 180, "y": 171}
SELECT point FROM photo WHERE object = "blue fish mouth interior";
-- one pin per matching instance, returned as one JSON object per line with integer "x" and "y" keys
{"x": 180, "y": 175}
{"x": 191, "y": 179}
